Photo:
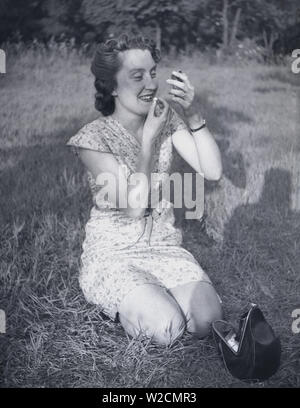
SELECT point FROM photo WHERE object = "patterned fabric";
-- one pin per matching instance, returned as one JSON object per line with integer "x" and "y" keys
{"x": 120, "y": 252}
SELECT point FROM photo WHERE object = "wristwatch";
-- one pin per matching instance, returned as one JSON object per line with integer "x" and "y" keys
{"x": 203, "y": 125}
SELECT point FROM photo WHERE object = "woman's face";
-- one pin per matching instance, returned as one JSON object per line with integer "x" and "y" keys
{"x": 136, "y": 82}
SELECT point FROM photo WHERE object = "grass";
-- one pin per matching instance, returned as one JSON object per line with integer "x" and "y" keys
{"x": 54, "y": 337}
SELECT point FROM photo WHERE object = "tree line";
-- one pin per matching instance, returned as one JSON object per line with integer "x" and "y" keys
{"x": 274, "y": 24}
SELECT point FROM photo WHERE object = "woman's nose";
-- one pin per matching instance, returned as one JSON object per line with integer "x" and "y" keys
{"x": 151, "y": 83}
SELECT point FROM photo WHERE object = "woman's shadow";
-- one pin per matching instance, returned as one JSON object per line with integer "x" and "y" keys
{"x": 260, "y": 253}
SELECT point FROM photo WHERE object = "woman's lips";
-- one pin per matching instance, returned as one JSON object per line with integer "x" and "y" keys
{"x": 147, "y": 98}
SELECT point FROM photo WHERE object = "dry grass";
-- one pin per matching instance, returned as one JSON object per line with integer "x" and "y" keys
{"x": 54, "y": 338}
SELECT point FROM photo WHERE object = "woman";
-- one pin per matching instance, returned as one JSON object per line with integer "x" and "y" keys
{"x": 133, "y": 264}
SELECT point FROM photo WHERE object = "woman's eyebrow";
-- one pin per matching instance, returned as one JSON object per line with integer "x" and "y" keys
{"x": 142, "y": 69}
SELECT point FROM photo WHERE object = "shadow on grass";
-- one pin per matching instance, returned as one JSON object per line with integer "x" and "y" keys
{"x": 259, "y": 262}
{"x": 269, "y": 229}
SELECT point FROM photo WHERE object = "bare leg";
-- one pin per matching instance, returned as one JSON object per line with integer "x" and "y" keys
{"x": 200, "y": 304}
{"x": 149, "y": 310}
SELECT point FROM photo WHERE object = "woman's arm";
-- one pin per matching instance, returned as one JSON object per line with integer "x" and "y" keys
{"x": 208, "y": 153}
{"x": 200, "y": 151}
{"x": 99, "y": 163}
{"x": 198, "y": 148}
{"x": 207, "y": 149}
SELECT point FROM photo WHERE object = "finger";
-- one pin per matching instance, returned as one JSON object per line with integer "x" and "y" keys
{"x": 178, "y": 98}
{"x": 184, "y": 80}
{"x": 160, "y": 111}
{"x": 157, "y": 108}
{"x": 166, "y": 106}
{"x": 166, "y": 110}
{"x": 180, "y": 75}
{"x": 164, "y": 101}
{"x": 179, "y": 84}
{"x": 160, "y": 107}
{"x": 177, "y": 92}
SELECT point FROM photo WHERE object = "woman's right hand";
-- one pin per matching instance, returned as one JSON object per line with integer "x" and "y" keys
{"x": 154, "y": 124}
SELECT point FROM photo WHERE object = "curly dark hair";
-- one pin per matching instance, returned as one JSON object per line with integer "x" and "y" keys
{"x": 106, "y": 63}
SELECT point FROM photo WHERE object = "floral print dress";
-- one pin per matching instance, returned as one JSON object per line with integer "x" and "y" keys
{"x": 119, "y": 252}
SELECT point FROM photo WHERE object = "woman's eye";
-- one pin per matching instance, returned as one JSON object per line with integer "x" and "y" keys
{"x": 140, "y": 77}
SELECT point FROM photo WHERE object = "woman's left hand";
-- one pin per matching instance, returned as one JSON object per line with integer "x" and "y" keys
{"x": 185, "y": 95}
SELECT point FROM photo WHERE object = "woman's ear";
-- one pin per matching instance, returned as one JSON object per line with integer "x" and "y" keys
{"x": 114, "y": 93}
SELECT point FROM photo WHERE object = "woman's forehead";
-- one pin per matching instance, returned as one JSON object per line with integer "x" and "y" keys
{"x": 136, "y": 58}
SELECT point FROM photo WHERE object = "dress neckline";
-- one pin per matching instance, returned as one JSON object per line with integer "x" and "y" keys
{"x": 122, "y": 128}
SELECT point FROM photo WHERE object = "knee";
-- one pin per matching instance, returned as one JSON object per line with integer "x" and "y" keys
{"x": 200, "y": 324}
{"x": 162, "y": 330}
{"x": 168, "y": 328}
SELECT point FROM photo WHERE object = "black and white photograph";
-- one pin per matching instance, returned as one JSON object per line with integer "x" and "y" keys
{"x": 149, "y": 196}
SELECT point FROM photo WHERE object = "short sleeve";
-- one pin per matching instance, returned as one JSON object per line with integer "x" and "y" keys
{"x": 89, "y": 137}
{"x": 176, "y": 123}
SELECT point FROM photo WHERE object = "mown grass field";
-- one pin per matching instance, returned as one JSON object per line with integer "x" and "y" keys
{"x": 54, "y": 338}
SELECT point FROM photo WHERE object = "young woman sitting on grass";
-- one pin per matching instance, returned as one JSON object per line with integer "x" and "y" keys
{"x": 132, "y": 263}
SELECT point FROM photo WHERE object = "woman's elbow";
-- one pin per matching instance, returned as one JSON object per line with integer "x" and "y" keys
{"x": 214, "y": 175}
{"x": 212, "y": 170}
{"x": 218, "y": 175}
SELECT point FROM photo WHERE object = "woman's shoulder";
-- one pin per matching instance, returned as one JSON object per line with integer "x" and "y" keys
{"x": 89, "y": 129}
{"x": 90, "y": 136}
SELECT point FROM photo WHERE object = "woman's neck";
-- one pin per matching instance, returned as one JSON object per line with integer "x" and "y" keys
{"x": 130, "y": 121}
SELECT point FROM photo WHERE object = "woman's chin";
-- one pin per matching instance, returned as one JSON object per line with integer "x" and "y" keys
{"x": 144, "y": 109}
